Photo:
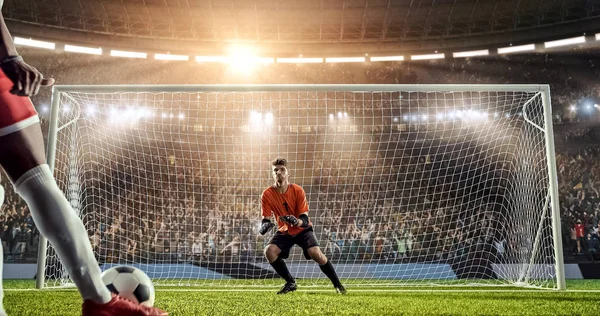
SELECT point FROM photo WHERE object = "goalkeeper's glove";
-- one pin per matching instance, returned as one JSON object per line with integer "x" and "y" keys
{"x": 290, "y": 219}
{"x": 266, "y": 226}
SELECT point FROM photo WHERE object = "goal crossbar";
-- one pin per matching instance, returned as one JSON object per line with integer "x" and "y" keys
{"x": 304, "y": 87}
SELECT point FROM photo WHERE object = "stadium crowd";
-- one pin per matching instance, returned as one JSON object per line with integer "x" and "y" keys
{"x": 189, "y": 205}
{"x": 580, "y": 206}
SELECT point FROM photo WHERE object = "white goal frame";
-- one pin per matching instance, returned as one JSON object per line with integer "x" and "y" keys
{"x": 542, "y": 89}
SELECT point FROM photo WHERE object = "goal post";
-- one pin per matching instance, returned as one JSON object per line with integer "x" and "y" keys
{"x": 551, "y": 160}
{"x": 415, "y": 185}
{"x": 50, "y": 159}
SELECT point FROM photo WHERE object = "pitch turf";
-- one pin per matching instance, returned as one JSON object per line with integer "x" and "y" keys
{"x": 582, "y": 298}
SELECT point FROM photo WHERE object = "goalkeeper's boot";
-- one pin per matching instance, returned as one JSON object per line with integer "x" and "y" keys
{"x": 288, "y": 287}
{"x": 340, "y": 289}
{"x": 119, "y": 306}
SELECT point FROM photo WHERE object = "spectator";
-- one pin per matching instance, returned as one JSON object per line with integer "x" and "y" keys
{"x": 592, "y": 246}
{"x": 197, "y": 250}
{"x": 23, "y": 235}
{"x": 579, "y": 229}
{"x": 574, "y": 242}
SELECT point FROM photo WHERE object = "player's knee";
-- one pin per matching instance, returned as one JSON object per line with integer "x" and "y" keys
{"x": 316, "y": 254}
{"x": 272, "y": 251}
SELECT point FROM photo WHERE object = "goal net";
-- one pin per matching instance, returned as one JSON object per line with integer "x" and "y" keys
{"x": 407, "y": 185}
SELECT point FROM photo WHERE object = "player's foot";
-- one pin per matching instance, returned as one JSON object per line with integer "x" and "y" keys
{"x": 340, "y": 289}
{"x": 288, "y": 287}
{"x": 119, "y": 306}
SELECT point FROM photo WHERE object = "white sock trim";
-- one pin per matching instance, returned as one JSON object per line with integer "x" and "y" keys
{"x": 19, "y": 125}
{"x": 34, "y": 177}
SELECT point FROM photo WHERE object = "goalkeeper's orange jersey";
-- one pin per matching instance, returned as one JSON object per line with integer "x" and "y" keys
{"x": 292, "y": 202}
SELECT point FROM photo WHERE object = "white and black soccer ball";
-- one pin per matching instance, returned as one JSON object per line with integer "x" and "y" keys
{"x": 130, "y": 283}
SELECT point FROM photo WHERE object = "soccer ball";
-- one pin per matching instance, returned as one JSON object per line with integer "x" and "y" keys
{"x": 130, "y": 283}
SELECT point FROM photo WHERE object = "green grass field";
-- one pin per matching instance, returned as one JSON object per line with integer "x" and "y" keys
{"x": 581, "y": 298}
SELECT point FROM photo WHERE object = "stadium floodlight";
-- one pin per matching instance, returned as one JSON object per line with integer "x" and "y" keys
{"x": 122, "y": 53}
{"x": 246, "y": 63}
{"x": 300, "y": 60}
{"x": 91, "y": 109}
{"x": 34, "y": 43}
{"x": 387, "y": 58}
{"x": 573, "y": 108}
{"x": 264, "y": 60}
{"x": 212, "y": 59}
{"x": 243, "y": 58}
{"x": 256, "y": 117}
{"x": 502, "y": 227}
{"x": 472, "y": 53}
{"x": 112, "y": 111}
{"x": 269, "y": 118}
{"x": 83, "y": 49}
{"x": 565, "y": 42}
{"x": 344, "y": 59}
{"x": 428, "y": 56}
{"x": 516, "y": 49}
{"x": 171, "y": 57}
{"x": 149, "y": 113}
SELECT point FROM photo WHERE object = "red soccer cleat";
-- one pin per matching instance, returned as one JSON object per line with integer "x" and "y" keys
{"x": 119, "y": 306}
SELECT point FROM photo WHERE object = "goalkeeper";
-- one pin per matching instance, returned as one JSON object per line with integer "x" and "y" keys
{"x": 288, "y": 202}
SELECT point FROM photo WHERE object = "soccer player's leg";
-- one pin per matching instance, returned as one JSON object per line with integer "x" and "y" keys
{"x": 310, "y": 246}
{"x": 22, "y": 156}
{"x": 277, "y": 250}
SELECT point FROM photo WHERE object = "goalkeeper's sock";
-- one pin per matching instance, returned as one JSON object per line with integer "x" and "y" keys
{"x": 330, "y": 273}
{"x": 282, "y": 269}
{"x": 56, "y": 219}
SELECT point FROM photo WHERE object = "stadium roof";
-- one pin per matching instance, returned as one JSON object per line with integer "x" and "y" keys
{"x": 302, "y": 26}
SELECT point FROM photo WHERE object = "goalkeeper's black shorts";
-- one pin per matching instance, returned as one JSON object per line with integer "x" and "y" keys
{"x": 305, "y": 239}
